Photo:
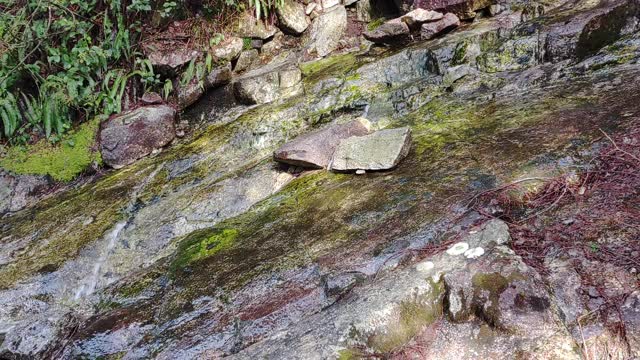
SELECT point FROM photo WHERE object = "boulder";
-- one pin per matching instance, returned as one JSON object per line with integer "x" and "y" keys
{"x": 382, "y": 150}
{"x": 218, "y": 76}
{"x": 245, "y": 60}
{"x": 432, "y": 29}
{"x": 292, "y": 18}
{"x": 314, "y": 150}
{"x": 415, "y": 18}
{"x": 132, "y": 135}
{"x": 268, "y": 84}
{"x": 387, "y": 33}
{"x": 228, "y": 50}
{"x": 249, "y": 27}
{"x": 326, "y": 31}
{"x": 169, "y": 61}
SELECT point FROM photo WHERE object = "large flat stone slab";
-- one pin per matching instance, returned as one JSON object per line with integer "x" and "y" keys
{"x": 314, "y": 150}
{"x": 382, "y": 150}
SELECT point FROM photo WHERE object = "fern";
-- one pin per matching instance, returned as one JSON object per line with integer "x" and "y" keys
{"x": 10, "y": 114}
{"x": 167, "y": 88}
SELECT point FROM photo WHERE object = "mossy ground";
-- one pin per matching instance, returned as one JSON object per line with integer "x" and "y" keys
{"x": 63, "y": 161}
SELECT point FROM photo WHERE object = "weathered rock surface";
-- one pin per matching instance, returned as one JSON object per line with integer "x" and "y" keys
{"x": 268, "y": 84}
{"x": 431, "y": 30}
{"x": 382, "y": 150}
{"x": 218, "y": 76}
{"x": 325, "y": 31}
{"x": 292, "y": 18}
{"x": 389, "y": 32}
{"x": 415, "y": 18}
{"x": 314, "y": 150}
{"x": 135, "y": 134}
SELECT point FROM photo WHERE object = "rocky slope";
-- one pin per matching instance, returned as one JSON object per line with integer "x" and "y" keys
{"x": 210, "y": 249}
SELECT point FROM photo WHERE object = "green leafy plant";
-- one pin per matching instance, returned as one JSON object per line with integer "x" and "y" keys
{"x": 263, "y": 8}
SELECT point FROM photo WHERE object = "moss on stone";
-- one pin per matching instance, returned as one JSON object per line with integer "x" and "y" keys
{"x": 200, "y": 245}
{"x": 63, "y": 161}
{"x": 336, "y": 66}
{"x": 374, "y": 24}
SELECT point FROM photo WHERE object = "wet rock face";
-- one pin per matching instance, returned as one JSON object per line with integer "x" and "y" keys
{"x": 268, "y": 84}
{"x": 292, "y": 17}
{"x": 314, "y": 150}
{"x": 132, "y": 135}
{"x": 382, "y": 150}
{"x": 326, "y": 31}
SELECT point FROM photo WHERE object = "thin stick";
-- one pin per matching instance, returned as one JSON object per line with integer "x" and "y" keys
{"x": 617, "y": 147}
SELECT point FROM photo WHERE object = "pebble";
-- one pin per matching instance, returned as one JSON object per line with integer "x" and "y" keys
{"x": 360, "y": 172}
{"x": 458, "y": 249}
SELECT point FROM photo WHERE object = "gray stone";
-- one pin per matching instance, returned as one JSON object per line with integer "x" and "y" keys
{"x": 249, "y": 27}
{"x": 132, "y": 135}
{"x": 189, "y": 94}
{"x": 326, "y": 31}
{"x": 389, "y": 32}
{"x": 314, "y": 150}
{"x": 228, "y": 50}
{"x": 268, "y": 84}
{"x": 464, "y": 9}
{"x": 19, "y": 191}
{"x": 431, "y": 30}
{"x": 415, "y": 18}
{"x": 327, "y": 4}
{"x": 382, "y": 150}
{"x": 292, "y": 18}
{"x": 245, "y": 60}
{"x": 218, "y": 76}
{"x": 363, "y": 10}
{"x": 310, "y": 7}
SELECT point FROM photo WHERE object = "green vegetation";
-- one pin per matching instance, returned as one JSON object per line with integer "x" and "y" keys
{"x": 203, "y": 244}
{"x": 62, "y": 161}
{"x": 374, "y": 24}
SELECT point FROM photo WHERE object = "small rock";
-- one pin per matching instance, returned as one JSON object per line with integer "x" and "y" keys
{"x": 360, "y": 172}
{"x": 326, "y": 4}
{"x": 425, "y": 266}
{"x": 474, "y": 253}
{"x": 189, "y": 94}
{"x": 431, "y": 30}
{"x": 218, "y": 76}
{"x": 257, "y": 43}
{"x": 151, "y": 98}
{"x": 132, "y": 135}
{"x": 229, "y": 49}
{"x": 314, "y": 150}
{"x": 169, "y": 61}
{"x": 245, "y": 60}
{"x": 415, "y": 18}
{"x": 265, "y": 85}
{"x": 249, "y": 27}
{"x": 326, "y": 31}
{"x": 389, "y": 32}
{"x": 363, "y": 10}
{"x": 310, "y": 8}
{"x": 382, "y": 150}
{"x": 292, "y": 18}
{"x": 495, "y": 9}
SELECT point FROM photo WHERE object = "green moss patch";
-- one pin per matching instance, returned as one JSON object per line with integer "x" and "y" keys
{"x": 203, "y": 244}
{"x": 63, "y": 161}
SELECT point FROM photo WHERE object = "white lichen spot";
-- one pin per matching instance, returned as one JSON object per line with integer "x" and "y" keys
{"x": 474, "y": 253}
{"x": 425, "y": 266}
{"x": 458, "y": 249}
